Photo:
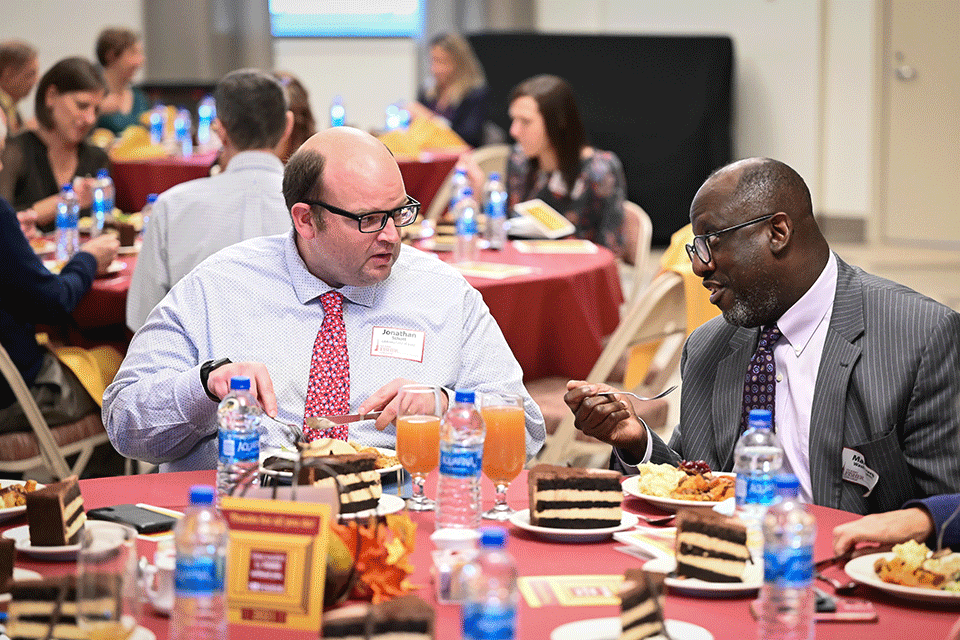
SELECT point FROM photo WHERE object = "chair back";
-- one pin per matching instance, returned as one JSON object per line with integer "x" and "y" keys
{"x": 653, "y": 330}
{"x": 489, "y": 158}
{"x": 638, "y": 231}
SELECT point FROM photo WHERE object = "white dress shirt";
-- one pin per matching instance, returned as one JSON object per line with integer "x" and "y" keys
{"x": 194, "y": 220}
{"x": 256, "y": 301}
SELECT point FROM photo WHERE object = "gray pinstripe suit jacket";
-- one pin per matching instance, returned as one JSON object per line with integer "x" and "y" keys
{"x": 888, "y": 387}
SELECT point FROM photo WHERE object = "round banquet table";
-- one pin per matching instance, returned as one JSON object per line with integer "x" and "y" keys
{"x": 556, "y": 317}
{"x": 423, "y": 176}
{"x": 724, "y": 618}
{"x": 134, "y": 180}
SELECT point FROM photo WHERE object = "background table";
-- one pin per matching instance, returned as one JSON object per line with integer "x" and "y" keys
{"x": 134, "y": 180}
{"x": 555, "y": 318}
{"x": 724, "y": 618}
{"x": 423, "y": 177}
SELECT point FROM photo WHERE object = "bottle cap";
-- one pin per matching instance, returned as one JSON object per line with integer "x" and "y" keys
{"x": 240, "y": 382}
{"x": 495, "y": 176}
{"x": 102, "y": 173}
{"x": 760, "y": 419}
{"x": 493, "y": 538}
{"x": 467, "y": 192}
{"x": 786, "y": 481}
{"x": 152, "y": 198}
{"x": 67, "y": 187}
{"x": 201, "y": 494}
{"x": 464, "y": 396}
{"x": 455, "y": 539}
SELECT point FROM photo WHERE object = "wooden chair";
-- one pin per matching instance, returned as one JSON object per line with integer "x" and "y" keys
{"x": 489, "y": 158}
{"x": 651, "y": 334}
{"x": 638, "y": 231}
{"x": 44, "y": 446}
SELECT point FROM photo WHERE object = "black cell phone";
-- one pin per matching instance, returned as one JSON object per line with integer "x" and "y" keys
{"x": 143, "y": 520}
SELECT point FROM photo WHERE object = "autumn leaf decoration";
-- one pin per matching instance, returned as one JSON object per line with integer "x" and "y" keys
{"x": 383, "y": 559}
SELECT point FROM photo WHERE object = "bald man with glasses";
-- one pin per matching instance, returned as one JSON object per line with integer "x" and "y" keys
{"x": 331, "y": 318}
{"x": 867, "y": 372}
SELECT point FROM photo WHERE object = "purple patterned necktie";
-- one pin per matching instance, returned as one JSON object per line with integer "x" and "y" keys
{"x": 759, "y": 389}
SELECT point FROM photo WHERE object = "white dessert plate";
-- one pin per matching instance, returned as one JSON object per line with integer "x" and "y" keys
{"x": 388, "y": 504}
{"x": 142, "y": 633}
{"x": 861, "y": 569}
{"x": 20, "y": 574}
{"x": 21, "y": 537}
{"x": 702, "y": 589}
{"x": 609, "y": 629}
{"x": 132, "y": 249}
{"x": 114, "y": 267}
{"x": 521, "y": 519}
{"x": 12, "y": 512}
{"x": 632, "y": 486}
{"x": 290, "y": 455}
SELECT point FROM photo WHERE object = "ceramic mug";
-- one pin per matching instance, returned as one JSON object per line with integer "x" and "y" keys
{"x": 158, "y": 581}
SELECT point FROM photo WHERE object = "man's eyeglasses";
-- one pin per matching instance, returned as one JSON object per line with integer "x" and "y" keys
{"x": 701, "y": 244}
{"x": 375, "y": 221}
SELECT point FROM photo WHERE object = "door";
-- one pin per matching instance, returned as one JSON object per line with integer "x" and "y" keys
{"x": 920, "y": 160}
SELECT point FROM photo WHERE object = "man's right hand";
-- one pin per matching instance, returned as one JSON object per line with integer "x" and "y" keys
{"x": 607, "y": 418}
{"x": 261, "y": 385}
{"x": 104, "y": 248}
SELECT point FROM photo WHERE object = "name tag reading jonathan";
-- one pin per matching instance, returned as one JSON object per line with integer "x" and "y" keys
{"x": 405, "y": 344}
{"x": 276, "y": 564}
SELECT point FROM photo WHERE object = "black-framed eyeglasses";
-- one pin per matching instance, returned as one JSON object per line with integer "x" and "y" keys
{"x": 375, "y": 221}
{"x": 701, "y": 244}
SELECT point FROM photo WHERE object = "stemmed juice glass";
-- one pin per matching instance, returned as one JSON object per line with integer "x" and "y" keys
{"x": 418, "y": 438}
{"x": 504, "y": 447}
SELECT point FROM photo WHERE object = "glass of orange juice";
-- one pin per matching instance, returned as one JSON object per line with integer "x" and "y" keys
{"x": 504, "y": 447}
{"x": 418, "y": 438}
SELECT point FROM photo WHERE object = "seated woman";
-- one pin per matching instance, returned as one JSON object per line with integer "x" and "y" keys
{"x": 304, "y": 124}
{"x": 553, "y": 162}
{"x": 36, "y": 164}
{"x": 120, "y": 53}
{"x": 458, "y": 92}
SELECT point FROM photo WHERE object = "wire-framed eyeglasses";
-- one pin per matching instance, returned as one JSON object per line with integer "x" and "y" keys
{"x": 701, "y": 244}
{"x": 375, "y": 221}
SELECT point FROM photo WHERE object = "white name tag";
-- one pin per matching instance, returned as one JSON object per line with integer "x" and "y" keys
{"x": 856, "y": 470}
{"x": 405, "y": 344}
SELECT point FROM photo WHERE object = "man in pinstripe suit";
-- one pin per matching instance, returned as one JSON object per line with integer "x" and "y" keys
{"x": 868, "y": 371}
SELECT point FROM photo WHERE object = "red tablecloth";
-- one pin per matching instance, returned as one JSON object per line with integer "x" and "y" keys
{"x": 555, "y": 318}
{"x": 725, "y": 618}
{"x": 134, "y": 180}
{"x": 423, "y": 177}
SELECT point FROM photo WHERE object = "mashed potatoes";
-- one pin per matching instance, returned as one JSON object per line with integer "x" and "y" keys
{"x": 658, "y": 480}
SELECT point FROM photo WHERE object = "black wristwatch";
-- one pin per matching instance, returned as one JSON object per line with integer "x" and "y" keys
{"x": 206, "y": 369}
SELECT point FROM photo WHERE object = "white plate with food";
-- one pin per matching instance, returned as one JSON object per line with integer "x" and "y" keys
{"x": 20, "y": 574}
{"x": 284, "y": 454}
{"x": 21, "y": 537}
{"x": 114, "y": 267}
{"x": 42, "y": 245}
{"x": 861, "y": 569}
{"x": 753, "y": 580}
{"x": 12, "y": 512}
{"x": 521, "y": 519}
{"x": 631, "y": 486}
{"x": 609, "y": 629}
{"x": 388, "y": 504}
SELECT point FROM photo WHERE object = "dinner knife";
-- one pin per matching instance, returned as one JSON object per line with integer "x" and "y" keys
{"x": 314, "y": 421}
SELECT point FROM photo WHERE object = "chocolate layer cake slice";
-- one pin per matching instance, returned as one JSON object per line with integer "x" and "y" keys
{"x": 44, "y": 608}
{"x": 711, "y": 547}
{"x": 55, "y": 514}
{"x": 404, "y": 618}
{"x": 346, "y": 623}
{"x": 641, "y": 605}
{"x": 356, "y": 476}
{"x": 8, "y": 556}
{"x": 571, "y": 498}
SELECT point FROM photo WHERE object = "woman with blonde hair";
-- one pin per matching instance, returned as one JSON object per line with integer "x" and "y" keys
{"x": 458, "y": 92}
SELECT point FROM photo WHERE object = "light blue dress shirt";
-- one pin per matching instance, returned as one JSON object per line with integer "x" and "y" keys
{"x": 256, "y": 301}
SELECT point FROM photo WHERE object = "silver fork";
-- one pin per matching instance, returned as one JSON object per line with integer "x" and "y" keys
{"x": 295, "y": 430}
{"x": 663, "y": 393}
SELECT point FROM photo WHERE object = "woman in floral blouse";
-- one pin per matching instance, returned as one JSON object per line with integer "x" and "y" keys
{"x": 552, "y": 161}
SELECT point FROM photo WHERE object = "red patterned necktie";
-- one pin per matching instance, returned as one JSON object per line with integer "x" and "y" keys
{"x": 760, "y": 386}
{"x": 328, "y": 391}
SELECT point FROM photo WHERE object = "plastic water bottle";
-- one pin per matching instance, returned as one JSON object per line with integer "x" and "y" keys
{"x": 158, "y": 123}
{"x": 182, "y": 131}
{"x": 102, "y": 201}
{"x": 68, "y": 216}
{"x": 787, "y": 598}
{"x": 200, "y": 537}
{"x": 458, "y": 185}
{"x": 489, "y": 610}
{"x": 206, "y": 112}
{"x": 239, "y": 417}
{"x": 758, "y": 457}
{"x": 461, "y": 456}
{"x": 146, "y": 212}
{"x": 495, "y": 206}
{"x": 338, "y": 114}
{"x": 465, "y": 213}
